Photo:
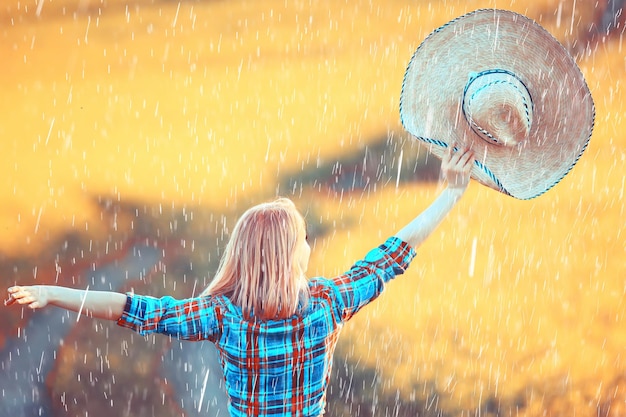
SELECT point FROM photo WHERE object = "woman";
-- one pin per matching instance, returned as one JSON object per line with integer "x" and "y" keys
{"x": 274, "y": 329}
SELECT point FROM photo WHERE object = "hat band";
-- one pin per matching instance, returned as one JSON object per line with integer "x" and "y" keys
{"x": 498, "y": 107}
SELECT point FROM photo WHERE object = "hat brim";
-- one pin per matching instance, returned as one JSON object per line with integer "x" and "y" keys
{"x": 486, "y": 39}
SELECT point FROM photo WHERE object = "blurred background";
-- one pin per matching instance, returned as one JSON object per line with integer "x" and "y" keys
{"x": 134, "y": 133}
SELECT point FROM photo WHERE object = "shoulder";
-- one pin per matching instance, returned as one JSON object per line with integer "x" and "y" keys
{"x": 318, "y": 285}
{"x": 322, "y": 290}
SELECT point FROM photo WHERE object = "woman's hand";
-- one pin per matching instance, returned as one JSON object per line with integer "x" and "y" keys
{"x": 35, "y": 296}
{"x": 456, "y": 166}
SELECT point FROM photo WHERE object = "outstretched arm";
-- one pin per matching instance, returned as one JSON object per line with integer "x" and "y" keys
{"x": 455, "y": 167}
{"x": 98, "y": 304}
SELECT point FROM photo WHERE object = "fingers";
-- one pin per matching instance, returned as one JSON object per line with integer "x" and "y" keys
{"x": 449, "y": 151}
{"x": 466, "y": 159}
{"x": 450, "y": 154}
{"x": 459, "y": 156}
{"x": 457, "y": 165}
{"x": 21, "y": 295}
{"x": 11, "y": 300}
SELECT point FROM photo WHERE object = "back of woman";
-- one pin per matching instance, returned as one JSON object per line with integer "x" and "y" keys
{"x": 277, "y": 367}
{"x": 275, "y": 330}
{"x": 282, "y": 367}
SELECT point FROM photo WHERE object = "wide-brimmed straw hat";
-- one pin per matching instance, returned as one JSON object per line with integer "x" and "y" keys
{"x": 500, "y": 83}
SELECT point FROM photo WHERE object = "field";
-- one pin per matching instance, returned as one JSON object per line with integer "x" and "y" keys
{"x": 161, "y": 122}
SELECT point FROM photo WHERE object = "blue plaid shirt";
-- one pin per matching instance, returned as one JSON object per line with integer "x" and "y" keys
{"x": 276, "y": 367}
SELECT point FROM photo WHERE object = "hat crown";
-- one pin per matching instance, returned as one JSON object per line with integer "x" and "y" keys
{"x": 498, "y": 107}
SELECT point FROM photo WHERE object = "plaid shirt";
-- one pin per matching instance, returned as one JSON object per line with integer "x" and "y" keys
{"x": 276, "y": 367}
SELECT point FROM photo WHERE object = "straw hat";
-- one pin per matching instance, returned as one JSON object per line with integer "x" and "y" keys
{"x": 500, "y": 83}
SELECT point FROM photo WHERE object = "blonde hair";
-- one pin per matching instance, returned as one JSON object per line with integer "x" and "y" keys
{"x": 260, "y": 270}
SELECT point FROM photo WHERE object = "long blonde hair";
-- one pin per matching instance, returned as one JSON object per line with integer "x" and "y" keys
{"x": 259, "y": 271}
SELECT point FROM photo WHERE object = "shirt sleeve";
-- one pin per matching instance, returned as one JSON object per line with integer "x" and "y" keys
{"x": 365, "y": 281}
{"x": 188, "y": 319}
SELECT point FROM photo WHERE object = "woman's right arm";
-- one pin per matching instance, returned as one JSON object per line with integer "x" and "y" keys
{"x": 99, "y": 304}
{"x": 190, "y": 319}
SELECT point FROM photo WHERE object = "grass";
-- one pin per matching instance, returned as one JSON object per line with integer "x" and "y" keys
{"x": 222, "y": 108}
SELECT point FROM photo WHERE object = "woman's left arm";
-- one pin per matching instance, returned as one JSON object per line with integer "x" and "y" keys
{"x": 364, "y": 282}
{"x": 456, "y": 166}
{"x": 99, "y": 304}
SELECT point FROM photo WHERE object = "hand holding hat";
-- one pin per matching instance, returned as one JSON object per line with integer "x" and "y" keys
{"x": 456, "y": 166}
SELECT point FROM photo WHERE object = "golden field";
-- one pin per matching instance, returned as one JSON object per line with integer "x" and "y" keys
{"x": 209, "y": 104}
